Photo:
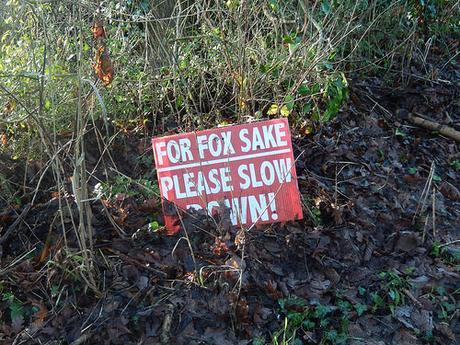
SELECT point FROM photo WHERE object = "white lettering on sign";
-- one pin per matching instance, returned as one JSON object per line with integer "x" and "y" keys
{"x": 216, "y": 145}
{"x": 175, "y": 151}
{"x": 248, "y": 168}
{"x": 269, "y": 172}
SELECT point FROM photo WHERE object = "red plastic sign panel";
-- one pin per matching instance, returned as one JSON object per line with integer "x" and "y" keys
{"x": 247, "y": 168}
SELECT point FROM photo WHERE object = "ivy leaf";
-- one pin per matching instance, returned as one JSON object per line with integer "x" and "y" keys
{"x": 360, "y": 308}
{"x": 289, "y": 102}
{"x": 304, "y": 90}
{"x": 306, "y": 108}
{"x": 16, "y": 310}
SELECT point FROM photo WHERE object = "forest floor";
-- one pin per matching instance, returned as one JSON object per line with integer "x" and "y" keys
{"x": 376, "y": 260}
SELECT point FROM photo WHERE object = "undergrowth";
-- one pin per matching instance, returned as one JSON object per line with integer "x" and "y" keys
{"x": 187, "y": 65}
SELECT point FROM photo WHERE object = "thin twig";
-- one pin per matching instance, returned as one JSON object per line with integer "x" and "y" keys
{"x": 13, "y": 226}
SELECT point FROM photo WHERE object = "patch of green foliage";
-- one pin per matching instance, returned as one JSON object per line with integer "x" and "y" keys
{"x": 130, "y": 187}
{"x": 331, "y": 321}
{"x": 18, "y": 310}
{"x": 446, "y": 305}
{"x": 456, "y": 165}
{"x": 448, "y": 254}
{"x": 15, "y": 306}
{"x": 391, "y": 291}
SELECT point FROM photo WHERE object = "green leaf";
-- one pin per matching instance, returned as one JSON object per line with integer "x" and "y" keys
{"x": 288, "y": 38}
{"x": 331, "y": 335}
{"x": 274, "y": 5}
{"x": 441, "y": 290}
{"x": 395, "y": 296}
{"x": 273, "y": 110}
{"x": 326, "y": 7}
{"x": 450, "y": 307}
{"x": 282, "y": 303}
{"x": 296, "y": 318}
{"x": 400, "y": 133}
{"x": 304, "y": 90}
{"x": 328, "y": 65}
{"x": 316, "y": 88}
{"x": 322, "y": 310}
{"x": 344, "y": 306}
{"x": 306, "y": 108}
{"x": 285, "y": 111}
{"x": 8, "y": 296}
{"x": 412, "y": 170}
{"x": 47, "y": 105}
{"x": 324, "y": 322}
{"x": 154, "y": 226}
{"x": 456, "y": 165}
{"x": 436, "y": 251}
{"x": 437, "y": 178}
{"x": 360, "y": 308}
{"x": 258, "y": 341}
{"x": 16, "y": 309}
{"x": 289, "y": 102}
{"x": 54, "y": 290}
{"x": 308, "y": 324}
{"x": 232, "y": 4}
{"x": 377, "y": 300}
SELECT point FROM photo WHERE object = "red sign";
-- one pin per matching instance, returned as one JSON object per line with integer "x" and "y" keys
{"x": 247, "y": 168}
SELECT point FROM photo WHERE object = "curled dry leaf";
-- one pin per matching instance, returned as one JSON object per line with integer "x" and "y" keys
{"x": 98, "y": 30}
{"x": 103, "y": 66}
{"x": 4, "y": 139}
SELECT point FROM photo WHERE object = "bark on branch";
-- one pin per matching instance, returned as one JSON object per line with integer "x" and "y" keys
{"x": 434, "y": 126}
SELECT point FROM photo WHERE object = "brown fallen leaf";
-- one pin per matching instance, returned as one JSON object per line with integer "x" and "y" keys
{"x": 272, "y": 291}
{"x": 445, "y": 330}
{"x": 411, "y": 179}
{"x": 449, "y": 191}
{"x": 407, "y": 241}
{"x": 149, "y": 206}
{"x": 40, "y": 315}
